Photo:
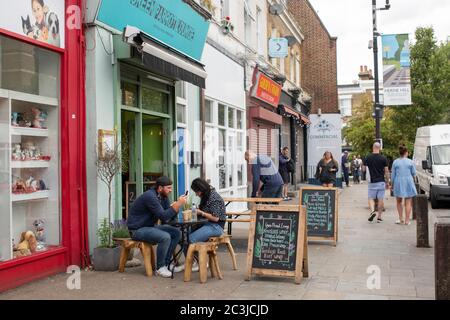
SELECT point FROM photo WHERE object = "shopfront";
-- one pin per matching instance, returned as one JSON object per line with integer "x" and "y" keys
{"x": 42, "y": 161}
{"x": 293, "y": 132}
{"x": 146, "y": 87}
{"x": 264, "y": 122}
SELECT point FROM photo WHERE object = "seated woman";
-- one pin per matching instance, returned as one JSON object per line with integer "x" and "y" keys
{"x": 212, "y": 207}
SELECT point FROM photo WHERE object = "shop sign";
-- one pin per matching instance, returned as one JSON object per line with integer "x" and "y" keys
{"x": 41, "y": 20}
{"x": 171, "y": 22}
{"x": 278, "y": 48}
{"x": 267, "y": 90}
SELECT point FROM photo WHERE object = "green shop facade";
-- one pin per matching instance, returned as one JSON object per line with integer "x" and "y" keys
{"x": 144, "y": 88}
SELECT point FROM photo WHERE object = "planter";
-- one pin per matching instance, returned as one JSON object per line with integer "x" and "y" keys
{"x": 106, "y": 259}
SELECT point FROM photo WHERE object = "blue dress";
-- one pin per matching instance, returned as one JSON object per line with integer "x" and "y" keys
{"x": 403, "y": 171}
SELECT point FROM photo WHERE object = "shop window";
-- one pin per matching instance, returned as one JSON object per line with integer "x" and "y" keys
{"x": 129, "y": 94}
{"x": 209, "y": 111}
{"x": 29, "y": 150}
{"x": 222, "y": 109}
{"x": 231, "y": 118}
{"x": 154, "y": 100}
{"x": 222, "y": 163}
{"x": 181, "y": 113}
{"x": 240, "y": 120}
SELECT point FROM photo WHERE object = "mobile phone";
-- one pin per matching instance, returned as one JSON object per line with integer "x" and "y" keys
{"x": 186, "y": 193}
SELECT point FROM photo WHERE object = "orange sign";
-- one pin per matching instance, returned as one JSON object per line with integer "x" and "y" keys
{"x": 267, "y": 90}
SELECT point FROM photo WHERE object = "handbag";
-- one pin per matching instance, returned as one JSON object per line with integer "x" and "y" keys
{"x": 290, "y": 166}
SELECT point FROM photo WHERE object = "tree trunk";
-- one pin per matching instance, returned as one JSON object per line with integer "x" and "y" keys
{"x": 109, "y": 215}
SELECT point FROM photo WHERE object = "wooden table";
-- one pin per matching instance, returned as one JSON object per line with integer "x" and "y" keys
{"x": 248, "y": 200}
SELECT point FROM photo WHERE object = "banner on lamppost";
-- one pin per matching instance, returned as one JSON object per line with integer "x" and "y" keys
{"x": 396, "y": 70}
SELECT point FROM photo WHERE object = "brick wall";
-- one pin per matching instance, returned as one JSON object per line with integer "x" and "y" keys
{"x": 318, "y": 59}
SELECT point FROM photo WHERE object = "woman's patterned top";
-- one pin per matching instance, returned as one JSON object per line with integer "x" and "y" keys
{"x": 215, "y": 206}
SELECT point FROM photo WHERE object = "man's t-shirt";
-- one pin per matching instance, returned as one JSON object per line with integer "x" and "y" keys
{"x": 376, "y": 163}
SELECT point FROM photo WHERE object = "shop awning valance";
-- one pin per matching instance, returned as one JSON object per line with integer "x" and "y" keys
{"x": 165, "y": 60}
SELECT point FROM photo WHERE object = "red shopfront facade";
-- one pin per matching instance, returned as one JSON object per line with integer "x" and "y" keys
{"x": 42, "y": 125}
{"x": 263, "y": 121}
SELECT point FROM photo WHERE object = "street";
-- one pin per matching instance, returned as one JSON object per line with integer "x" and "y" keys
{"x": 338, "y": 273}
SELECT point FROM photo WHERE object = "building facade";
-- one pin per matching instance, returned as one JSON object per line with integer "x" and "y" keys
{"x": 43, "y": 221}
{"x": 319, "y": 78}
{"x": 145, "y": 90}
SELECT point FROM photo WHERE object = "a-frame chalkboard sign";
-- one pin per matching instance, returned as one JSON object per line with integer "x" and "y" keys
{"x": 322, "y": 212}
{"x": 277, "y": 243}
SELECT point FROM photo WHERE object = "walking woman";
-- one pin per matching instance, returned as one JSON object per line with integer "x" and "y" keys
{"x": 403, "y": 172}
{"x": 326, "y": 170}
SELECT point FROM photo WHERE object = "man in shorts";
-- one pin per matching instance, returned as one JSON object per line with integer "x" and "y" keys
{"x": 379, "y": 175}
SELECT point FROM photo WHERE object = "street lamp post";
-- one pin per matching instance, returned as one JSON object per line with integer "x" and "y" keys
{"x": 378, "y": 108}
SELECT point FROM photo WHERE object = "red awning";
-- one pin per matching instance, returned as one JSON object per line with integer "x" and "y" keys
{"x": 305, "y": 119}
{"x": 291, "y": 111}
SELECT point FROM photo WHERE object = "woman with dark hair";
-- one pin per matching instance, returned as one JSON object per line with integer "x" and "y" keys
{"x": 403, "y": 172}
{"x": 211, "y": 207}
{"x": 326, "y": 170}
{"x": 284, "y": 171}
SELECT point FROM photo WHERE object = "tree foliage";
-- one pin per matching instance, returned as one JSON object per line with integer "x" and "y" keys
{"x": 430, "y": 82}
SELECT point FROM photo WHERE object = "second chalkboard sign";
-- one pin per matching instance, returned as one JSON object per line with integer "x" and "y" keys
{"x": 322, "y": 212}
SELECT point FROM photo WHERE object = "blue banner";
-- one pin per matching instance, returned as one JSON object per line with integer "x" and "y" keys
{"x": 171, "y": 22}
{"x": 396, "y": 70}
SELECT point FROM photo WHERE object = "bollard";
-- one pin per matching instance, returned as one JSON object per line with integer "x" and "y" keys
{"x": 421, "y": 205}
{"x": 442, "y": 259}
{"x": 414, "y": 215}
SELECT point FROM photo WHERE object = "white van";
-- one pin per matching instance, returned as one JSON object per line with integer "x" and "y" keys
{"x": 432, "y": 160}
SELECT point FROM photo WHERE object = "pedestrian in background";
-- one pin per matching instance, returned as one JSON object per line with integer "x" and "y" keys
{"x": 356, "y": 170}
{"x": 403, "y": 172}
{"x": 345, "y": 168}
{"x": 326, "y": 170}
{"x": 379, "y": 180}
{"x": 285, "y": 173}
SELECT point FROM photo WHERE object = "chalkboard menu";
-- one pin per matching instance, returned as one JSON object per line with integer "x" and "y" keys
{"x": 277, "y": 241}
{"x": 321, "y": 211}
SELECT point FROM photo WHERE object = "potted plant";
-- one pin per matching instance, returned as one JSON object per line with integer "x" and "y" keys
{"x": 226, "y": 25}
{"x": 208, "y": 5}
{"x": 107, "y": 254}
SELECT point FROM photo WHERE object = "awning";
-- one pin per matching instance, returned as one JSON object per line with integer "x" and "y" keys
{"x": 299, "y": 118}
{"x": 165, "y": 60}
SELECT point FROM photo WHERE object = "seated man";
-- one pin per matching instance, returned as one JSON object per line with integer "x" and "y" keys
{"x": 145, "y": 212}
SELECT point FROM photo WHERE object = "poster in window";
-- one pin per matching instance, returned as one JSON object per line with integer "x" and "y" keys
{"x": 41, "y": 20}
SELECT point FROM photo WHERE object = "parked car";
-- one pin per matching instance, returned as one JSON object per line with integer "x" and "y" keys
{"x": 432, "y": 160}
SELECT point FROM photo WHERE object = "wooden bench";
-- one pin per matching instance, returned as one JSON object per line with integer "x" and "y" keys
{"x": 226, "y": 239}
{"x": 147, "y": 250}
{"x": 205, "y": 250}
{"x": 235, "y": 217}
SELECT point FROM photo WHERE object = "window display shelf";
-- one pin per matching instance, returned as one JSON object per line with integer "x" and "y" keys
{"x": 21, "y": 96}
{"x": 30, "y": 196}
{"x": 30, "y": 132}
{"x": 30, "y": 164}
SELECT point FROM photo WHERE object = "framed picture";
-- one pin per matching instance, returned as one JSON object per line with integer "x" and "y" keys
{"x": 107, "y": 139}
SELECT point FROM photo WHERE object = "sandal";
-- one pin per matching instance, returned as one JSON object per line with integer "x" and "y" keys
{"x": 399, "y": 222}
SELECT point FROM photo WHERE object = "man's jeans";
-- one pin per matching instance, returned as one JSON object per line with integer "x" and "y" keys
{"x": 207, "y": 231}
{"x": 346, "y": 176}
{"x": 166, "y": 237}
{"x": 274, "y": 192}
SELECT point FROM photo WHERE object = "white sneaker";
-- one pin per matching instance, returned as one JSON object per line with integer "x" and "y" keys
{"x": 164, "y": 272}
{"x": 176, "y": 269}
{"x": 195, "y": 267}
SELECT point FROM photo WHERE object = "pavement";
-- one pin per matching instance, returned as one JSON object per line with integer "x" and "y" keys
{"x": 337, "y": 273}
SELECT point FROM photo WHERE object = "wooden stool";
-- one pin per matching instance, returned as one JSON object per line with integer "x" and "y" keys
{"x": 147, "y": 251}
{"x": 205, "y": 250}
{"x": 226, "y": 239}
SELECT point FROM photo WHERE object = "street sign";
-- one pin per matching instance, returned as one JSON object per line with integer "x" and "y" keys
{"x": 278, "y": 48}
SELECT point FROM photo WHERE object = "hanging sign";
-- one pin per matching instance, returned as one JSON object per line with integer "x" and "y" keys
{"x": 278, "y": 48}
{"x": 396, "y": 70}
{"x": 266, "y": 89}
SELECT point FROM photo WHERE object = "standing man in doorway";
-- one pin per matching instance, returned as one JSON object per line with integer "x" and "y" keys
{"x": 345, "y": 164}
{"x": 267, "y": 181}
{"x": 379, "y": 180}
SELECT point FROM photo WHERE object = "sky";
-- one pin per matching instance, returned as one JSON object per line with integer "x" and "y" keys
{"x": 351, "y": 22}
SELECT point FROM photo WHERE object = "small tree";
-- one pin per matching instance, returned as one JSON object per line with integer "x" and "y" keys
{"x": 109, "y": 164}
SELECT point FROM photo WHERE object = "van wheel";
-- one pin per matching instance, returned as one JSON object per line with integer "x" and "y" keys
{"x": 434, "y": 201}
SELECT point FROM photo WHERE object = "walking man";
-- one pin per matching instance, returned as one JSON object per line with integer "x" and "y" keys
{"x": 379, "y": 180}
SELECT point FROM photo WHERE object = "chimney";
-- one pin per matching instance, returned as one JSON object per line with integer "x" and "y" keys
{"x": 364, "y": 74}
